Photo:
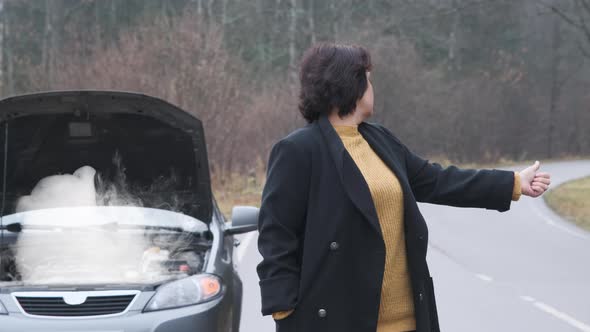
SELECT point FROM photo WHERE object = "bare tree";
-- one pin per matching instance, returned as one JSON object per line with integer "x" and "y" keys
{"x": 556, "y": 83}
{"x": 1, "y": 47}
{"x": 8, "y": 85}
{"x": 311, "y": 21}
{"x": 577, "y": 17}
{"x": 293, "y": 37}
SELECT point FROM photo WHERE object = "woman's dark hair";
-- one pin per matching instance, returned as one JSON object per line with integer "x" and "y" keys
{"x": 332, "y": 75}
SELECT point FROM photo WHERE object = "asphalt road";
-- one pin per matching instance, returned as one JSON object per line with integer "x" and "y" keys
{"x": 525, "y": 269}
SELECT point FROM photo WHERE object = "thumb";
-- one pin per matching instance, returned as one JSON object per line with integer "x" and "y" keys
{"x": 536, "y": 165}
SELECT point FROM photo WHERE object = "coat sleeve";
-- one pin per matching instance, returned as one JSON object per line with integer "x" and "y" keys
{"x": 280, "y": 224}
{"x": 491, "y": 189}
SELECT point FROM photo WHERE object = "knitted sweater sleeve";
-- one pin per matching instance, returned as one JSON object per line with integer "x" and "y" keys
{"x": 516, "y": 191}
{"x": 282, "y": 314}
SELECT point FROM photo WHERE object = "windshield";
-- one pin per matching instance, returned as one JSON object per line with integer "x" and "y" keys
{"x": 98, "y": 199}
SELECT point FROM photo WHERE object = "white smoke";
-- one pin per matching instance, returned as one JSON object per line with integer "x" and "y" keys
{"x": 115, "y": 191}
{"x": 76, "y": 247}
{"x": 78, "y": 250}
{"x": 61, "y": 190}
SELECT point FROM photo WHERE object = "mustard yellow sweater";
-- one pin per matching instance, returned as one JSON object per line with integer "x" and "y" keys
{"x": 396, "y": 310}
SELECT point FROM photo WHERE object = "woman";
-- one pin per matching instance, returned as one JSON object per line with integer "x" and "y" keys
{"x": 342, "y": 239}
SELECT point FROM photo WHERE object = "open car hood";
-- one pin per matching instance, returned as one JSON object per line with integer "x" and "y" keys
{"x": 140, "y": 151}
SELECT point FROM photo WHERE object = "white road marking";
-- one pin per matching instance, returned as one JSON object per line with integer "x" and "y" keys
{"x": 484, "y": 277}
{"x": 563, "y": 316}
{"x": 551, "y": 222}
{"x": 558, "y": 314}
{"x": 244, "y": 245}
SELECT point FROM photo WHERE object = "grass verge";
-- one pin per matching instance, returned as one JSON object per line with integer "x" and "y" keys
{"x": 571, "y": 200}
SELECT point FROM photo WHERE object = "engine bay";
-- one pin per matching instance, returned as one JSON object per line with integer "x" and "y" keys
{"x": 167, "y": 256}
{"x": 96, "y": 195}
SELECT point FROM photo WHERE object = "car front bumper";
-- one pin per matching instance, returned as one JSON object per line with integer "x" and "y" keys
{"x": 214, "y": 315}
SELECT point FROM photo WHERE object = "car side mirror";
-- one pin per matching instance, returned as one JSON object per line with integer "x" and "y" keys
{"x": 243, "y": 219}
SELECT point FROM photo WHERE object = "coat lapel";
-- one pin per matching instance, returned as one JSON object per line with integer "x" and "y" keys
{"x": 352, "y": 179}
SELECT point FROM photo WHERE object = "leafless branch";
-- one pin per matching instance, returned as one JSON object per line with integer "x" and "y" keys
{"x": 569, "y": 20}
{"x": 582, "y": 17}
{"x": 584, "y": 50}
{"x": 579, "y": 21}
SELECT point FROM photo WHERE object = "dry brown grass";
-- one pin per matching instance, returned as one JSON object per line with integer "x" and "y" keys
{"x": 238, "y": 189}
{"x": 570, "y": 200}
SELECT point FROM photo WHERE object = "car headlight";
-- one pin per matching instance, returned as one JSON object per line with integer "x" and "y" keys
{"x": 3, "y": 310}
{"x": 187, "y": 291}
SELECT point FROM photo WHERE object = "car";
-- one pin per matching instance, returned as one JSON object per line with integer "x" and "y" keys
{"x": 108, "y": 218}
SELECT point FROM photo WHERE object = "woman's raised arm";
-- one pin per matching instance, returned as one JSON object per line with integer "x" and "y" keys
{"x": 492, "y": 189}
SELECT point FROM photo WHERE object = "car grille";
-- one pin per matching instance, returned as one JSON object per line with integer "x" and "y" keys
{"x": 56, "y": 306}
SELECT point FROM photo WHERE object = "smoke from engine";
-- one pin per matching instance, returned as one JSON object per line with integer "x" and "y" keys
{"x": 82, "y": 252}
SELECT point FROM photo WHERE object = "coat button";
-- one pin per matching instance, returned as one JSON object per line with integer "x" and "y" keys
{"x": 420, "y": 296}
{"x": 334, "y": 245}
{"x": 322, "y": 313}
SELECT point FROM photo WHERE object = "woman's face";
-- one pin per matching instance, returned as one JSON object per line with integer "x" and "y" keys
{"x": 364, "y": 106}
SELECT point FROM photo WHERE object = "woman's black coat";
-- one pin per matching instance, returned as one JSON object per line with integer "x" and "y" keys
{"x": 319, "y": 235}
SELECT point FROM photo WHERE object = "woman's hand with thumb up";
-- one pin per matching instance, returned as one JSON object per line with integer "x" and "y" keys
{"x": 534, "y": 183}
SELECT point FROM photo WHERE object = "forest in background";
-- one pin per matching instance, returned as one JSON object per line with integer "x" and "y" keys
{"x": 470, "y": 80}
